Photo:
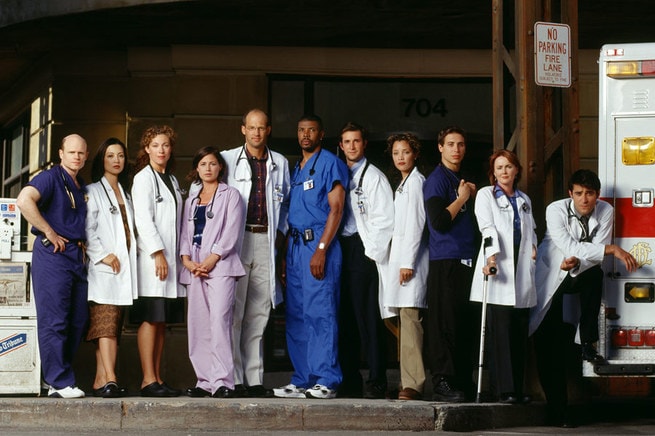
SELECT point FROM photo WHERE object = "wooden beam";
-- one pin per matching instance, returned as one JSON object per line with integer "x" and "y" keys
{"x": 498, "y": 55}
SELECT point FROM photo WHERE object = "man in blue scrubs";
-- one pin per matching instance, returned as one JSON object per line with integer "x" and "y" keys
{"x": 54, "y": 204}
{"x": 314, "y": 266}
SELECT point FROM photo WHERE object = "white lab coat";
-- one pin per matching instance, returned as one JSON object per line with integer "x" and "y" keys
{"x": 375, "y": 225}
{"x": 239, "y": 176}
{"x": 105, "y": 235}
{"x": 158, "y": 227}
{"x": 561, "y": 241}
{"x": 409, "y": 249}
{"x": 495, "y": 218}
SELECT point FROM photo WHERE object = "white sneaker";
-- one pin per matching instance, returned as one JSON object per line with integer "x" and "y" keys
{"x": 67, "y": 392}
{"x": 289, "y": 391}
{"x": 321, "y": 392}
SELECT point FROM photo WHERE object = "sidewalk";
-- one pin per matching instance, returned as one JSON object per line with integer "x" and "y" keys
{"x": 208, "y": 414}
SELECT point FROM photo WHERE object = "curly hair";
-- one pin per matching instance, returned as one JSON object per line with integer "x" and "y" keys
{"x": 142, "y": 158}
{"x": 414, "y": 144}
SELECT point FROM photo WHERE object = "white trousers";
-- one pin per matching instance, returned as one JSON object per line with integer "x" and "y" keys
{"x": 252, "y": 308}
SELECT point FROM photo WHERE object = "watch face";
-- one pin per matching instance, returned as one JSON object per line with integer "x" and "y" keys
{"x": 321, "y": 246}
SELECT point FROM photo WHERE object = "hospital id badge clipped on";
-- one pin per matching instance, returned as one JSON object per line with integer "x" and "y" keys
{"x": 307, "y": 185}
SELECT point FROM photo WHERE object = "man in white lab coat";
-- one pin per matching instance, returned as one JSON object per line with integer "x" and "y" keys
{"x": 578, "y": 237}
{"x": 262, "y": 177}
{"x": 365, "y": 237}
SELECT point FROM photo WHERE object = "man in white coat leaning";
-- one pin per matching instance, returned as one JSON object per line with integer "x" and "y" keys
{"x": 366, "y": 230}
{"x": 262, "y": 177}
{"x": 578, "y": 237}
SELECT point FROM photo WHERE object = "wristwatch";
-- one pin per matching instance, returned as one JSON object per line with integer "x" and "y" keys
{"x": 321, "y": 245}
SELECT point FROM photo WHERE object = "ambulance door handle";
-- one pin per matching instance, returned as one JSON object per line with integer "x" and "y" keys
{"x": 614, "y": 275}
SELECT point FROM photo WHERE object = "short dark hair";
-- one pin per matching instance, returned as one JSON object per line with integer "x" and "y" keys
{"x": 98, "y": 165}
{"x": 585, "y": 178}
{"x": 351, "y": 126}
{"x": 447, "y": 131}
{"x": 193, "y": 176}
{"x": 312, "y": 117}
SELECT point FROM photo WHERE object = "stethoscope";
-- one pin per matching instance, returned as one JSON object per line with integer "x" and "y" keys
{"x": 209, "y": 212}
{"x": 112, "y": 209}
{"x": 71, "y": 197}
{"x": 506, "y": 205}
{"x": 359, "y": 191}
{"x": 240, "y": 175}
{"x": 586, "y": 236}
{"x": 158, "y": 197}
{"x": 297, "y": 170}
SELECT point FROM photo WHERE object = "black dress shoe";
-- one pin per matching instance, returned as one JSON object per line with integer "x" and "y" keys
{"x": 375, "y": 391}
{"x": 223, "y": 392}
{"x": 509, "y": 398}
{"x": 109, "y": 390}
{"x": 154, "y": 389}
{"x": 257, "y": 391}
{"x": 444, "y": 391}
{"x": 590, "y": 354}
{"x": 197, "y": 392}
{"x": 172, "y": 392}
{"x": 240, "y": 391}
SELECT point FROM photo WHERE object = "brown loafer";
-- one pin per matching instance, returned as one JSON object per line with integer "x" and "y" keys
{"x": 409, "y": 394}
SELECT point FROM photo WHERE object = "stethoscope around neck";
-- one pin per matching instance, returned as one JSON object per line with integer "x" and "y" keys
{"x": 209, "y": 212}
{"x": 158, "y": 197}
{"x": 244, "y": 156}
{"x": 112, "y": 208}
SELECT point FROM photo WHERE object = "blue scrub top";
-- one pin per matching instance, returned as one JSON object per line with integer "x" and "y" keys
{"x": 55, "y": 203}
{"x": 308, "y": 203}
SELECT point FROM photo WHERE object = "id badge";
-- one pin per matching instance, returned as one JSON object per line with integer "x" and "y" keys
{"x": 307, "y": 185}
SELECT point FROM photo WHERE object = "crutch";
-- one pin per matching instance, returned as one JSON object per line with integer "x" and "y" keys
{"x": 483, "y": 327}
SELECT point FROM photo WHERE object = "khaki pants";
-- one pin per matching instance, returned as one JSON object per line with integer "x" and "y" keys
{"x": 412, "y": 371}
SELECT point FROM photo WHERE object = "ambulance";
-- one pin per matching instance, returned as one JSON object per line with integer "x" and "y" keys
{"x": 626, "y": 167}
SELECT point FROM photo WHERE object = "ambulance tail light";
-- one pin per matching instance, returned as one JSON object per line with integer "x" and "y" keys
{"x": 650, "y": 338}
{"x": 619, "y": 338}
{"x": 631, "y": 69}
{"x": 636, "y": 337}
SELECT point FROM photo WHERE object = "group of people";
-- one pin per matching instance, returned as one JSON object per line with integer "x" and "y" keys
{"x": 334, "y": 240}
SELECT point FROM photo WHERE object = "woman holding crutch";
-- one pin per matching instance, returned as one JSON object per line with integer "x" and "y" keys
{"x": 504, "y": 215}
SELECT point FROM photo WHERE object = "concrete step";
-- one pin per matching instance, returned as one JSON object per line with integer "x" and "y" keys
{"x": 208, "y": 414}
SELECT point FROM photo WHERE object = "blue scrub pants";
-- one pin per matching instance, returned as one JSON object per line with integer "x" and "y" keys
{"x": 60, "y": 294}
{"x": 311, "y": 315}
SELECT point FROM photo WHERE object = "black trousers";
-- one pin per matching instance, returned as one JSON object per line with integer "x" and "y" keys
{"x": 360, "y": 323}
{"x": 554, "y": 338}
{"x": 508, "y": 347}
{"x": 452, "y": 322}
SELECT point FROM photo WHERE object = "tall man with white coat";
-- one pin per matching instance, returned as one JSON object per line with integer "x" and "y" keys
{"x": 367, "y": 227}
{"x": 261, "y": 176}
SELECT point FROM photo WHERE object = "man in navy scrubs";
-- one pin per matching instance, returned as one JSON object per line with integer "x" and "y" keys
{"x": 54, "y": 204}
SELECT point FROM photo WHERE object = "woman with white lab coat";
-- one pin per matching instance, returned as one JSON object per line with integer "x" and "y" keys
{"x": 157, "y": 211}
{"x": 403, "y": 290}
{"x": 111, "y": 250}
{"x": 504, "y": 215}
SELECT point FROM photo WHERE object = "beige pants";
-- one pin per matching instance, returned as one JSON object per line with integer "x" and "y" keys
{"x": 412, "y": 371}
